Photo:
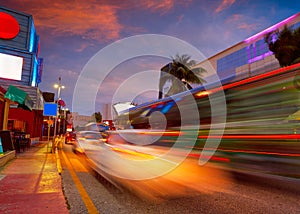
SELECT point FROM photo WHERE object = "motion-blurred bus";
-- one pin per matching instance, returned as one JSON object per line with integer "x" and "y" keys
{"x": 262, "y": 129}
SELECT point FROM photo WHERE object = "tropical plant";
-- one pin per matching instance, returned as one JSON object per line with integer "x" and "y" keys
{"x": 181, "y": 74}
{"x": 286, "y": 47}
{"x": 98, "y": 117}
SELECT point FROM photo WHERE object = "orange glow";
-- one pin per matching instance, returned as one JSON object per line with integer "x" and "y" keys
{"x": 103, "y": 140}
{"x": 259, "y": 153}
{"x": 249, "y": 80}
{"x": 130, "y": 152}
{"x": 262, "y": 136}
{"x": 203, "y": 93}
{"x": 261, "y": 76}
{"x": 215, "y": 158}
{"x": 165, "y": 133}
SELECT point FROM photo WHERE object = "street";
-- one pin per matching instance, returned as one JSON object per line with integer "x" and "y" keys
{"x": 236, "y": 193}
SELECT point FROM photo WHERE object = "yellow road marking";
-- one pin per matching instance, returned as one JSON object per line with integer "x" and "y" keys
{"x": 84, "y": 195}
{"x": 77, "y": 166}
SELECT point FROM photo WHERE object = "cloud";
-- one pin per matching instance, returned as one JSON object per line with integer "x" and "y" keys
{"x": 234, "y": 18}
{"x": 224, "y": 5}
{"x": 241, "y": 22}
{"x": 90, "y": 19}
{"x": 248, "y": 27}
{"x": 85, "y": 19}
{"x": 82, "y": 46}
{"x": 158, "y": 5}
{"x": 97, "y": 22}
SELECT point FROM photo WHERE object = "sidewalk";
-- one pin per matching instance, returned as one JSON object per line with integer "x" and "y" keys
{"x": 30, "y": 183}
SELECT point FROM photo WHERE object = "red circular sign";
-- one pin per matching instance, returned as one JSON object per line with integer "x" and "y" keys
{"x": 9, "y": 26}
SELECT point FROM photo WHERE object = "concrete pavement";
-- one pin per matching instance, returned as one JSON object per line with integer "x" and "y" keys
{"x": 30, "y": 183}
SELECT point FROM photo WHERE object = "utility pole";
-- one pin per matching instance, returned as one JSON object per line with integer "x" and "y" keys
{"x": 59, "y": 86}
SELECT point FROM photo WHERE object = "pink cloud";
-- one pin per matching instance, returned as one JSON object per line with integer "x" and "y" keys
{"x": 90, "y": 19}
{"x": 235, "y": 18}
{"x": 97, "y": 22}
{"x": 241, "y": 22}
{"x": 248, "y": 27}
{"x": 224, "y": 5}
{"x": 86, "y": 19}
{"x": 159, "y": 6}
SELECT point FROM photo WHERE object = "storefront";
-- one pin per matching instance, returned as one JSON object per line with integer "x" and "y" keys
{"x": 21, "y": 102}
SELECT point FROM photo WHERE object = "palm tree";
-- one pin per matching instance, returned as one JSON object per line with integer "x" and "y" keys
{"x": 180, "y": 74}
{"x": 286, "y": 47}
{"x": 97, "y": 116}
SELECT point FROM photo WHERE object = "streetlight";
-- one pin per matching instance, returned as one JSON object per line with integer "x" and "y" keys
{"x": 59, "y": 86}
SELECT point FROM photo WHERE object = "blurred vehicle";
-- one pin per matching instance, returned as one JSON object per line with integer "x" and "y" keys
{"x": 93, "y": 126}
{"x": 70, "y": 137}
{"x": 256, "y": 130}
{"x": 87, "y": 140}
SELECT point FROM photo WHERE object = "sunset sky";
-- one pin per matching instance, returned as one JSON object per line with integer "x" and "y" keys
{"x": 73, "y": 31}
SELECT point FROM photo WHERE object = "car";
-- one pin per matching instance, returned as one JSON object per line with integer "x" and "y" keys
{"x": 70, "y": 137}
{"x": 87, "y": 140}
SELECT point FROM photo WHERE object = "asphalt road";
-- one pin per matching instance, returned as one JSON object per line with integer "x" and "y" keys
{"x": 219, "y": 192}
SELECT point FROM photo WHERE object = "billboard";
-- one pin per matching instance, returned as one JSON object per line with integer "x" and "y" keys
{"x": 11, "y": 67}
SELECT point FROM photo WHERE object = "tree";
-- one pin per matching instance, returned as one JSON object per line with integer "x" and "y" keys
{"x": 286, "y": 47}
{"x": 181, "y": 74}
{"x": 98, "y": 117}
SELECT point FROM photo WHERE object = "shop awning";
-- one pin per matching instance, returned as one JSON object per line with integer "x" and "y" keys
{"x": 18, "y": 95}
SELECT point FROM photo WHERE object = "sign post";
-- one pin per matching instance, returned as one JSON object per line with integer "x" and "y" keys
{"x": 50, "y": 109}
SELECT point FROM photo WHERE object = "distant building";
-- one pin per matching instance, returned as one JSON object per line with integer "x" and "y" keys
{"x": 80, "y": 120}
{"x": 106, "y": 111}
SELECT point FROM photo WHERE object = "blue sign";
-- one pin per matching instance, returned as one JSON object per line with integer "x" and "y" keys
{"x": 50, "y": 109}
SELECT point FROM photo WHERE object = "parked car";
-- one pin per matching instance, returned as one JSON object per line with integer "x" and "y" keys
{"x": 70, "y": 137}
{"x": 87, "y": 140}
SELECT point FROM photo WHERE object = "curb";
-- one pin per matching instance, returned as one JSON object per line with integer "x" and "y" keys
{"x": 58, "y": 163}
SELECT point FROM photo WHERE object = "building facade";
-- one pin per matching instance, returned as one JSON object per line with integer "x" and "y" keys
{"x": 21, "y": 68}
{"x": 249, "y": 57}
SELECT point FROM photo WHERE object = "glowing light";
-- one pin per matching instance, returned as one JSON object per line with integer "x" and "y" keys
{"x": 258, "y": 77}
{"x": 203, "y": 93}
{"x": 165, "y": 133}
{"x": 260, "y": 57}
{"x": 214, "y": 158}
{"x": 134, "y": 153}
{"x": 32, "y": 39}
{"x": 261, "y": 136}
{"x": 270, "y": 29}
{"x": 34, "y": 73}
{"x": 11, "y": 66}
{"x": 167, "y": 107}
{"x": 57, "y": 86}
{"x": 260, "y": 152}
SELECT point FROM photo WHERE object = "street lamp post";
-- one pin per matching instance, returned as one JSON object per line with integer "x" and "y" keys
{"x": 59, "y": 86}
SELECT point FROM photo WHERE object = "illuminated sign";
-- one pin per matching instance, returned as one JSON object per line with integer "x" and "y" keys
{"x": 9, "y": 26}
{"x": 11, "y": 66}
